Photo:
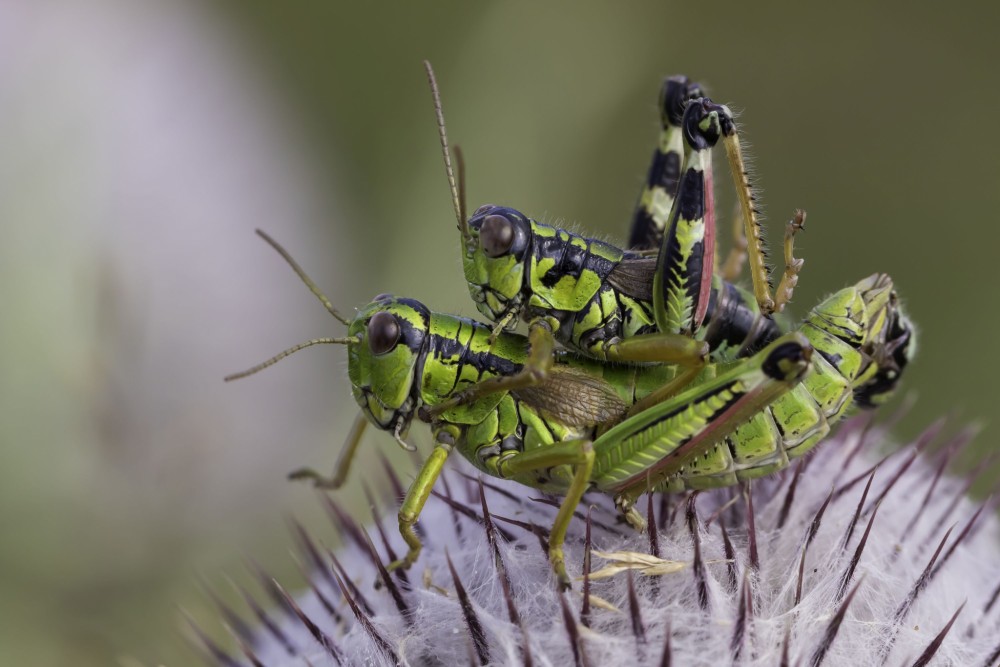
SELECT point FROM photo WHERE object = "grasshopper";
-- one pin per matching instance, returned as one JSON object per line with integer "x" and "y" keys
{"x": 617, "y": 305}
{"x": 600, "y": 426}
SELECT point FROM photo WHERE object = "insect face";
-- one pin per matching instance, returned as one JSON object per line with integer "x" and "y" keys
{"x": 494, "y": 261}
{"x": 868, "y": 317}
{"x": 383, "y": 366}
{"x": 892, "y": 348}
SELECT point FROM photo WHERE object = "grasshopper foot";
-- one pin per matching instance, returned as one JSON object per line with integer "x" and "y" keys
{"x": 631, "y": 515}
{"x": 318, "y": 480}
{"x": 559, "y": 567}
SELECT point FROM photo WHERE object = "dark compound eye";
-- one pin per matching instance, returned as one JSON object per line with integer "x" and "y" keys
{"x": 496, "y": 235}
{"x": 482, "y": 209}
{"x": 383, "y": 333}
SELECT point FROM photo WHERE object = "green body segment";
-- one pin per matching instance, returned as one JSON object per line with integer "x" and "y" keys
{"x": 552, "y": 286}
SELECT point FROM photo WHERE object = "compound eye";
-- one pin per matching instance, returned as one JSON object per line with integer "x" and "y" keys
{"x": 482, "y": 209}
{"x": 383, "y": 333}
{"x": 496, "y": 235}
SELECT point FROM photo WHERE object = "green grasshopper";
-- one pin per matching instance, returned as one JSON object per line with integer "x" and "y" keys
{"x": 593, "y": 426}
{"x": 612, "y": 304}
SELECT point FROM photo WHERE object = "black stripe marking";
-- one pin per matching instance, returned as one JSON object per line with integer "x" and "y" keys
{"x": 734, "y": 322}
{"x": 686, "y": 406}
{"x": 645, "y": 233}
{"x": 691, "y": 196}
{"x": 442, "y": 347}
{"x": 569, "y": 259}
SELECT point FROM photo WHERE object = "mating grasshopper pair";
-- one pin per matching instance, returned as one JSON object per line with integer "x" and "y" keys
{"x": 567, "y": 422}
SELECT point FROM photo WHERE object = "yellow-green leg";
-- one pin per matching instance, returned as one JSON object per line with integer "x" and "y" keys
{"x": 578, "y": 453}
{"x": 666, "y": 348}
{"x": 413, "y": 504}
{"x": 666, "y": 391}
{"x": 343, "y": 466}
{"x": 756, "y": 254}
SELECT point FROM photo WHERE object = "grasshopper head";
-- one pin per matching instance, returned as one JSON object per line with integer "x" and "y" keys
{"x": 891, "y": 343}
{"x": 384, "y": 364}
{"x": 868, "y": 316}
{"x": 494, "y": 259}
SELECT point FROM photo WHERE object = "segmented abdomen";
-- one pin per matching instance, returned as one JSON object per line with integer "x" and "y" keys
{"x": 512, "y": 428}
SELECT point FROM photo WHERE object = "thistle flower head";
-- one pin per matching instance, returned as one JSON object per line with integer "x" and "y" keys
{"x": 846, "y": 559}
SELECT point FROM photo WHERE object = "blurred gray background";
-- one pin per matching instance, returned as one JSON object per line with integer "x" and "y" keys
{"x": 143, "y": 142}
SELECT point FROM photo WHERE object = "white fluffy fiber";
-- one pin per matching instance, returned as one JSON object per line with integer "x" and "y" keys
{"x": 895, "y": 555}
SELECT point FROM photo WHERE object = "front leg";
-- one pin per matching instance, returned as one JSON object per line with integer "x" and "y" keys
{"x": 534, "y": 372}
{"x": 416, "y": 498}
{"x": 343, "y": 466}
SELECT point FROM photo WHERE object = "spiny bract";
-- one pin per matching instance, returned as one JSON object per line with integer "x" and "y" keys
{"x": 843, "y": 560}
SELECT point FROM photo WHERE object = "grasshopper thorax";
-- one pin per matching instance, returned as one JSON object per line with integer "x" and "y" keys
{"x": 495, "y": 261}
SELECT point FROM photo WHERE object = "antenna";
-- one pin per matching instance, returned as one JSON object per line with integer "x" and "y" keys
{"x": 351, "y": 340}
{"x": 457, "y": 197}
{"x": 292, "y": 350}
{"x": 304, "y": 277}
{"x": 460, "y": 162}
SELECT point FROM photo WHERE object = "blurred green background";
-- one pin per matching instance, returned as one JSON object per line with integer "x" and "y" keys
{"x": 143, "y": 142}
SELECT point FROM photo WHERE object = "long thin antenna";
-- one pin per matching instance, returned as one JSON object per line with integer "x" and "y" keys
{"x": 304, "y": 278}
{"x": 460, "y": 163}
{"x": 292, "y": 350}
{"x": 456, "y": 199}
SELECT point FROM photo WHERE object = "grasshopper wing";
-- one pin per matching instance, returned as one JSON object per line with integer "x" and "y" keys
{"x": 634, "y": 276}
{"x": 575, "y": 397}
